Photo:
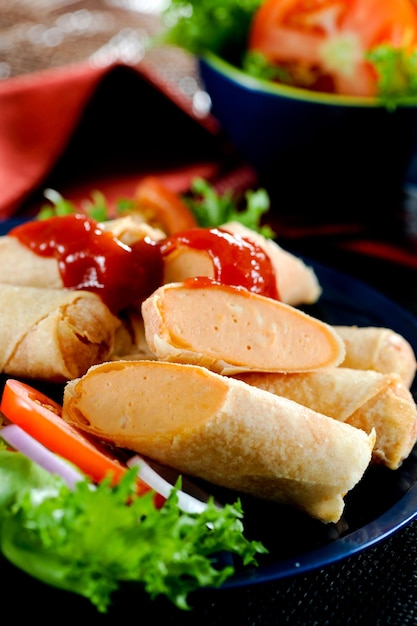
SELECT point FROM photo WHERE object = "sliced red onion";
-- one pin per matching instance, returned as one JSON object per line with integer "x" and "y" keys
{"x": 30, "y": 447}
{"x": 155, "y": 480}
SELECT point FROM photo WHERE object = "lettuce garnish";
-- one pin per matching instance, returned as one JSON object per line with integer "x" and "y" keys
{"x": 89, "y": 541}
{"x": 210, "y": 208}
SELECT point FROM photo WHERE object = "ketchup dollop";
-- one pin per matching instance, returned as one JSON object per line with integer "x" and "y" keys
{"x": 94, "y": 260}
{"x": 237, "y": 261}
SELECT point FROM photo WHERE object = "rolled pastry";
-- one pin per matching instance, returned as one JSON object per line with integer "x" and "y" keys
{"x": 223, "y": 431}
{"x": 53, "y": 334}
{"x": 296, "y": 282}
{"x": 229, "y": 330}
{"x": 379, "y": 349}
{"x": 364, "y": 399}
{"x": 19, "y": 265}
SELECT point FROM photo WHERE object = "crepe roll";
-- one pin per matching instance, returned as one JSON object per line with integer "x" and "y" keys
{"x": 230, "y": 330}
{"x": 222, "y": 430}
{"x": 19, "y": 265}
{"x": 131, "y": 228}
{"x": 296, "y": 282}
{"x": 53, "y": 334}
{"x": 379, "y": 349}
{"x": 364, "y": 399}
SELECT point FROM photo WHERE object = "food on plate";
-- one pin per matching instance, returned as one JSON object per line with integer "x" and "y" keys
{"x": 40, "y": 417}
{"x": 296, "y": 282}
{"x": 53, "y": 334}
{"x": 90, "y": 258}
{"x": 161, "y": 207}
{"x": 20, "y": 266}
{"x": 379, "y": 349}
{"x": 229, "y": 330}
{"x": 364, "y": 399}
{"x": 130, "y": 229}
{"x": 240, "y": 437}
{"x": 93, "y": 540}
{"x": 233, "y": 260}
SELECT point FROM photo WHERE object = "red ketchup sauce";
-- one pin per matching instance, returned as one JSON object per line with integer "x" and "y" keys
{"x": 237, "y": 261}
{"x": 94, "y": 260}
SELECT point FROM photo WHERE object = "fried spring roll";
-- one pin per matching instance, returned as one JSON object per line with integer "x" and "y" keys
{"x": 53, "y": 334}
{"x": 223, "y": 431}
{"x": 364, "y": 399}
{"x": 379, "y": 349}
{"x": 296, "y": 282}
{"x": 19, "y": 265}
{"x": 229, "y": 330}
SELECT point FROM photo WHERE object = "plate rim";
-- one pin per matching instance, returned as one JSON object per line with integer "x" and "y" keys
{"x": 399, "y": 515}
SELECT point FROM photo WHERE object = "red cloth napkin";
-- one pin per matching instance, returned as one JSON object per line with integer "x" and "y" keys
{"x": 42, "y": 114}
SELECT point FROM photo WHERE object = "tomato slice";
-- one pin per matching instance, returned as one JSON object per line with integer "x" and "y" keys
{"x": 163, "y": 207}
{"x": 40, "y": 417}
{"x": 323, "y": 43}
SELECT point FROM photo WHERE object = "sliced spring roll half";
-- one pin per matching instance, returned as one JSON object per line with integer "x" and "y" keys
{"x": 379, "y": 349}
{"x": 229, "y": 330}
{"x": 223, "y": 431}
{"x": 364, "y": 399}
{"x": 296, "y": 282}
{"x": 53, "y": 334}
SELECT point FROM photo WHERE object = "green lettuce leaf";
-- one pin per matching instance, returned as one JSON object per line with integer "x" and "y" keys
{"x": 200, "y": 26}
{"x": 89, "y": 541}
{"x": 212, "y": 209}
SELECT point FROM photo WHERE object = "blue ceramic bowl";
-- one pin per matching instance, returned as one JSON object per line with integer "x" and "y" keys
{"x": 314, "y": 151}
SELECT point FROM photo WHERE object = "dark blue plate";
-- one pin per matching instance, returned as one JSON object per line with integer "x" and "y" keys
{"x": 384, "y": 500}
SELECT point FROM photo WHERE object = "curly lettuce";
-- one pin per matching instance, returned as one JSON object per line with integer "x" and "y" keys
{"x": 90, "y": 541}
{"x": 200, "y": 26}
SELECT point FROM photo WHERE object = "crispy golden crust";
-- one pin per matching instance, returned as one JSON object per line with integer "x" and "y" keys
{"x": 20, "y": 266}
{"x": 379, "y": 349}
{"x": 53, "y": 334}
{"x": 223, "y": 431}
{"x": 296, "y": 282}
{"x": 231, "y": 330}
{"x": 365, "y": 399}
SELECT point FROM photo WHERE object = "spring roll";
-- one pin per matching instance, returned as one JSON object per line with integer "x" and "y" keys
{"x": 379, "y": 349}
{"x": 223, "y": 431}
{"x": 19, "y": 265}
{"x": 364, "y": 399}
{"x": 296, "y": 282}
{"x": 53, "y": 334}
{"x": 232, "y": 330}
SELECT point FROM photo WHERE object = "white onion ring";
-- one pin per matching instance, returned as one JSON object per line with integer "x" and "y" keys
{"x": 186, "y": 502}
{"x": 38, "y": 453}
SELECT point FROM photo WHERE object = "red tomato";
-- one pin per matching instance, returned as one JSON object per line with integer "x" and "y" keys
{"x": 40, "y": 417}
{"x": 322, "y": 43}
{"x": 163, "y": 207}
